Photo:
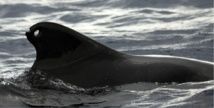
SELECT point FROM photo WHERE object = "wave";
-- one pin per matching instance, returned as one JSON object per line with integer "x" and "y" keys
{"x": 166, "y": 27}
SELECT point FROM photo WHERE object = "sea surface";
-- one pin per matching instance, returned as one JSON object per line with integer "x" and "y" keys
{"x": 139, "y": 27}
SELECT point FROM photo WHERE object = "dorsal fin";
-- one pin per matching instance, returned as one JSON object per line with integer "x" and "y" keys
{"x": 57, "y": 45}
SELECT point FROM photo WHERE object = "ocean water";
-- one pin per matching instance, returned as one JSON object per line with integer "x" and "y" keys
{"x": 139, "y": 27}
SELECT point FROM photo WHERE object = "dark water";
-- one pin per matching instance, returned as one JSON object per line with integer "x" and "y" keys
{"x": 164, "y": 27}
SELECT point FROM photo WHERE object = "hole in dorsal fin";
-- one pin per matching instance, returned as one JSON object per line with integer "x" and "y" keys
{"x": 58, "y": 45}
{"x": 37, "y": 33}
{"x": 54, "y": 43}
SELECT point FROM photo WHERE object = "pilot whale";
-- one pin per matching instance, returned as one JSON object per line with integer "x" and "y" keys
{"x": 69, "y": 55}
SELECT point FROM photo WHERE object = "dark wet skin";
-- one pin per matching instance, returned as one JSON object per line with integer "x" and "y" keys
{"x": 66, "y": 54}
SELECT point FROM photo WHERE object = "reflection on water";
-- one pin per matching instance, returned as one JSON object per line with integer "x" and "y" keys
{"x": 167, "y": 27}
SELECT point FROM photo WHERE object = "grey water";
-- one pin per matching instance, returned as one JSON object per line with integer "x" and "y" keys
{"x": 139, "y": 27}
